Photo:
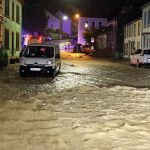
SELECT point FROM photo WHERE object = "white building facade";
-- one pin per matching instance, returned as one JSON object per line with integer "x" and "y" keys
{"x": 132, "y": 36}
{"x": 85, "y": 22}
{"x": 146, "y": 26}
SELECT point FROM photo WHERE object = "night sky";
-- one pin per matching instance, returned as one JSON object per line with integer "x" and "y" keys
{"x": 92, "y": 8}
{"x": 34, "y": 15}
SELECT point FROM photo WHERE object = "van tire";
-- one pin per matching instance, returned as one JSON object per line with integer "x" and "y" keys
{"x": 52, "y": 73}
{"x": 22, "y": 74}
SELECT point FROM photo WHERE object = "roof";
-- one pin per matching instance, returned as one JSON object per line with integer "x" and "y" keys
{"x": 145, "y": 5}
{"x": 42, "y": 44}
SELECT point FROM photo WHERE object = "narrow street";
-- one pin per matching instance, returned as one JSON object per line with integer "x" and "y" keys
{"x": 93, "y": 104}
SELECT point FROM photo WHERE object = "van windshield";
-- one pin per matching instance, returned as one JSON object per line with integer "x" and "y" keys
{"x": 39, "y": 51}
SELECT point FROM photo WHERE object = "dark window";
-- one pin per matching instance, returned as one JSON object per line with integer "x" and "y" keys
{"x": 17, "y": 14}
{"x": 13, "y": 8}
{"x": 17, "y": 41}
{"x": 51, "y": 26}
{"x": 0, "y": 1}
{"x": 7, "y": 8}
{"x": 6, "y": 45}
{"x": 100, "y": 24}
{"x": 149, "y": 18}
{"x": 93, "y": 24}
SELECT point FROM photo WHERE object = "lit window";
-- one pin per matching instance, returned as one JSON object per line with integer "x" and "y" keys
{"x": 86, "y": 24}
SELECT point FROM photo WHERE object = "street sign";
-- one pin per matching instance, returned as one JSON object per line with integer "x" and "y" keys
{"x": 92, "y": 39}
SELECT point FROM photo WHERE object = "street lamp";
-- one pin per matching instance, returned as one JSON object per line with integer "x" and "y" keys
{"x": 63, "y": 18}
{"x": 77, "y": 16}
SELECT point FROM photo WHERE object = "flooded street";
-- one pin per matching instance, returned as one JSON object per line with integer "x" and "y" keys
{"x": 90, "y": 105}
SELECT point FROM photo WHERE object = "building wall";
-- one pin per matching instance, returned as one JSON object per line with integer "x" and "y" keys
{"x": 82, "y": 21}
{"x": 146, "y": 26}
{"x": 13, "y": 27}
{"x": 132, "y": 36}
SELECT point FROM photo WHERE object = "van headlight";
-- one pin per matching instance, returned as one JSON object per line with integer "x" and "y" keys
{"x": 49, "y": 62}
{"x": 22, "y": 62}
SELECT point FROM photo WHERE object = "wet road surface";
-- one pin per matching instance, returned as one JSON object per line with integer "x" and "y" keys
{"x": 90, "y": 105}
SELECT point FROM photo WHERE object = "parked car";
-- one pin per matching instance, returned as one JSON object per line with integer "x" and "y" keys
{"x": 87, "y": 49}
{"x": 77, "y": 48}
{"x": 140, "y": 57}
{"x": 43, "y": 58}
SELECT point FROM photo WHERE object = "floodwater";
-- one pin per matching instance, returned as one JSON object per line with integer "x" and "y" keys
{"x": 90, "y": 105}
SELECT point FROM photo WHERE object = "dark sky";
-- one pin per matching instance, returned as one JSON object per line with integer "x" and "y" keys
{"x": 93, "y": 8}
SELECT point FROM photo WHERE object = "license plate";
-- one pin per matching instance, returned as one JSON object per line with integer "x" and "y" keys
{"x": 35, "y": 69}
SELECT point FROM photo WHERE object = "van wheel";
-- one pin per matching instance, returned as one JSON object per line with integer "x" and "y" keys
{"x": 21, "y": 73}
{"x": 52, "y": 73}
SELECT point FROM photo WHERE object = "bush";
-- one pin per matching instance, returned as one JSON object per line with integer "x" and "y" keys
{"x": 3, "y": 58}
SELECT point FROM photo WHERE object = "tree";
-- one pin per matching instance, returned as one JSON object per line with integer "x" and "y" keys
{"x": 94, "y": 32}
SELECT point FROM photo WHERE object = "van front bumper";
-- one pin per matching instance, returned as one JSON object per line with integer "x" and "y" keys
{"x": 36, "y": 69}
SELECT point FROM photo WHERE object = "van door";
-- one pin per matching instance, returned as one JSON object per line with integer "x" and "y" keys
{"x": 57, "y": 58}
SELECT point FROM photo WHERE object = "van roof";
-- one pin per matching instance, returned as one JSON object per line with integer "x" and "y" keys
{"x": 42, "y": 44}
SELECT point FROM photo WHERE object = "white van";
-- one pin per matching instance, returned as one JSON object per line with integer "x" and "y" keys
{"x": 43, "y": 58}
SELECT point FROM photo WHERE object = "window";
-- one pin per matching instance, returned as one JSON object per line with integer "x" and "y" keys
{"x": 7, "y": 8}
{"x": 148, "y": 21}
{"x": 93, "y": 24}
{"x": 0, "y": 1}
{"x": 145, "y": 19}
{"x": 134, "y": 29}
{"x": 17, "y": 14}
{"x": 138, "y": 44}
{"x": 100, "y": 24}
{"x": 139, "y": 28}
{"x": 17, "y": 41}
{"x": 51, "y": 26}
{"x": 6, "y": 44}
{"x": 86, "y": 24}
{"x": 13, "y": 8}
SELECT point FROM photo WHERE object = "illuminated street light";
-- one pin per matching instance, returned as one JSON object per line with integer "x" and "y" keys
{"x": 65, "y": 17}
{"x": 77, "y": 16}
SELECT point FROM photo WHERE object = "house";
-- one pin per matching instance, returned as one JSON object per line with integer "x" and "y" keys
{"x": 52, "y": 21}
{"x": 85, "y": 22}
{"x": 12, "y": 26}
{"x": 146, "y": 25}
{"x": 132, "y": 36}
{"x": 65, "y": 22}
{"x": 58, "y": 21}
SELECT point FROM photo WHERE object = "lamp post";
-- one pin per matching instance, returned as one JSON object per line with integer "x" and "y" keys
{"x": 64, "y": 18}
